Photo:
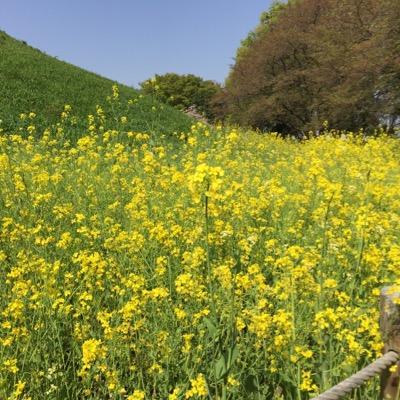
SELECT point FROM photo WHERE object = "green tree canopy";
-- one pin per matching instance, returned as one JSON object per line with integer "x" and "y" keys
{"x": 182, "y": 91}
{"x": 267, "y": 19}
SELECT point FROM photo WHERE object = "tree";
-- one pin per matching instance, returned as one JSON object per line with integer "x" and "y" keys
{"x": 267, "y": 19}
{"x": 182, "y": 91}
{"x": 331, "y": 60}
{"x": 271, "y": 87}
{"x": 387, "y": 62}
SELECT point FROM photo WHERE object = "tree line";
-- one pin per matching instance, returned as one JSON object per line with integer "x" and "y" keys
{"x": 307, "y": 62}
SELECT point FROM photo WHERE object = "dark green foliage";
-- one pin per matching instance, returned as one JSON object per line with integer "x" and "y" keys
{"x": 182, "y": 91}
{"x": 31, "y": 81}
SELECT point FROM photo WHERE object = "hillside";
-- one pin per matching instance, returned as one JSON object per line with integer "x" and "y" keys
{"x": 32, "y": 81}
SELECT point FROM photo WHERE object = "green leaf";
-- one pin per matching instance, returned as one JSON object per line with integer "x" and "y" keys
{"x": 212, "y": 329}
{"x": 250, "y": 384}
{"x": 220, "y": 368}
{"x": 233, "y": 354}
{"x": 225, "y": 362}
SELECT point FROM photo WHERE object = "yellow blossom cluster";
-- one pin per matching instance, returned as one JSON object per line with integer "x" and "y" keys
{"x": 217, "y": 263}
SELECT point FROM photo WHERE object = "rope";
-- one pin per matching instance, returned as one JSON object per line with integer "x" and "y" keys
{"x": 356, "y": 380}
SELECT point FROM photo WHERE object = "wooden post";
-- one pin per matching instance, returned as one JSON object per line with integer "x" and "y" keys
{"x": 390, "y": 329}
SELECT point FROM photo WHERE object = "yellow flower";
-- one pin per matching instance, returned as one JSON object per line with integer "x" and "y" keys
{"x": 307, "y": 384}
{"x": 31, "y": 129}
{"x": 232, "y": 381}
{"x": 92, "y": 350}
{"x": 198, "y": 387}
{"x": 187, "y": 342}
{"x": 137, "y": 395}
{"x": 330, "y": 283}
{"x": 18, "y": 389}
{"x": 393, "y": 368}
{"x": 115, "y": 92}
{"x": 10, "y": 365}
{"x": 174, "y": 395}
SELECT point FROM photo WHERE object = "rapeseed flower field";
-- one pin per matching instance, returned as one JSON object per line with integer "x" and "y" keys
{"x": 219, "y": 264}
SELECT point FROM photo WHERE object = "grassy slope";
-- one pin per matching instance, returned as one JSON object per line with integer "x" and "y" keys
{"x": 33, "y": 81}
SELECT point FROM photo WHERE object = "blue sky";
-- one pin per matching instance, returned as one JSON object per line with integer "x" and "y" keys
{"x": 130, "y": 41}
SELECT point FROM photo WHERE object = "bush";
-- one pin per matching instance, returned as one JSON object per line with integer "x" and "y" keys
{"x": 182, "y": 91}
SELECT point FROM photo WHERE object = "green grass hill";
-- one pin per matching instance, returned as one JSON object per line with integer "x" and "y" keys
{"x": 32, "y": 81}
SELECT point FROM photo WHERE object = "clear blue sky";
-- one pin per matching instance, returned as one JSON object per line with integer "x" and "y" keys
{"x": 131, "y": 40}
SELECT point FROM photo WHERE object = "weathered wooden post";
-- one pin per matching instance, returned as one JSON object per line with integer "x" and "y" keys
{"x": 390, "y": 329}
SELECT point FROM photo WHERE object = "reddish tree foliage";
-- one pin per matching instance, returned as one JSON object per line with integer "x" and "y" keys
{"x": 335, "y": 60}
